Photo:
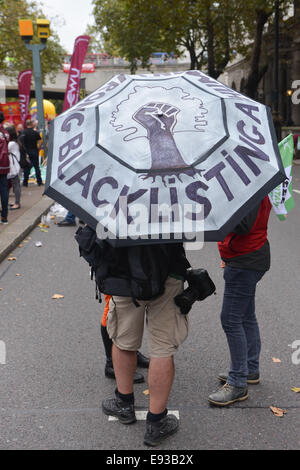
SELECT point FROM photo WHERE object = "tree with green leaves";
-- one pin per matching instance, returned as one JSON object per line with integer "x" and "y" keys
{"x": 213, "y": 32}
{"x": 134, "y": 29}
{"x": 130, "y": 28}
{"x": 14, "y": 57}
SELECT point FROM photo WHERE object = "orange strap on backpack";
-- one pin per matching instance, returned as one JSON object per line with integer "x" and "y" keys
{"x": 106, "y": 310}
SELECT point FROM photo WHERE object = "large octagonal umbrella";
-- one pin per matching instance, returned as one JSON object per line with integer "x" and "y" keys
{"x": 142, "y": 144}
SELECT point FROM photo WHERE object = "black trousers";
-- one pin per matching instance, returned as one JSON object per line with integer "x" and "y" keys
{"x": 34, "y": 162}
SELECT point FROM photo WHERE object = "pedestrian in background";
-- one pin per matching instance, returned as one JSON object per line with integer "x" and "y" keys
{"x": 246, "y": 256}
{"x": 14, "y": 172}
{"x": 4, "y": 170}
{"x": 68, "y": 221}
{"x": 30, "y": 139}
{"x": 142, "y": 361}
{"x": 19, "y": 129}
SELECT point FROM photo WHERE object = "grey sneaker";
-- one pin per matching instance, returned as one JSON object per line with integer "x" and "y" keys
{"x": 120, "y": 409}
{"x": 157, "y": 432}
{"x": 228, "y": 394}
{"x": 251, "y": 378}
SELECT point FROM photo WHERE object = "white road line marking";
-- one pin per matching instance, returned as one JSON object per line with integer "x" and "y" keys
{"x": 141, "y": 415}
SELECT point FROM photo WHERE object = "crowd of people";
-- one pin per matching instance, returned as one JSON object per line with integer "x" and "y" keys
{"x": 19, "y": 152}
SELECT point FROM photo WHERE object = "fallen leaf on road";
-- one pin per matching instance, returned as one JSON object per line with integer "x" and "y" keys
{"x": 38, "y": 244}
{"x": 296, "y": 389}
{"x": 277, "y": 411}
{"x": 146, "y": 392}
{"x": 43, "y": 230}
{"x": 12, "y": 258}
{"x": 1, "y": 288}
{"x": 20, "y": 246}
{"x": 275, "y": 359}
{"x": 57, "y": 296}
{"x": 18, "y": 274}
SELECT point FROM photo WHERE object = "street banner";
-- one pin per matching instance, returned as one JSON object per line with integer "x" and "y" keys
{"x": 24, "y": 83}
{"x": 73, "y": 85}
{"x": 282, "y": 196}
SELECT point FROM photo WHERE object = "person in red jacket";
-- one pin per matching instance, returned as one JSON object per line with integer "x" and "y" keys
{"x": 245, "y": 253}
{"x": 4, "y": 170}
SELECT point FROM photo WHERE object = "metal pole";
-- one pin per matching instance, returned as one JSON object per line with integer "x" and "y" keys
{"x": 37, "y": 72}
{"x": 276, "y": 72}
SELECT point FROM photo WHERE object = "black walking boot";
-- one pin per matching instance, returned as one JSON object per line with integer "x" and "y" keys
{"x": 142, "y": 361}
{"x": 110, "y": 373}
{"x": 156, "y": 432}
{"x": 123, "y": 410}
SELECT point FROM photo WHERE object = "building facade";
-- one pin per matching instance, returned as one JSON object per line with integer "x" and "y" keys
{"x": 289, "y": 71}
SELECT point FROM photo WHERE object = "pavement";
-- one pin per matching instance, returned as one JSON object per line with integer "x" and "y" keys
{"x": 22, "y": 221}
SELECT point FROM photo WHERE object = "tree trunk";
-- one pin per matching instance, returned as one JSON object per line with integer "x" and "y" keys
{"x": 256, "y": 73}
{"x": 210, "y": 44}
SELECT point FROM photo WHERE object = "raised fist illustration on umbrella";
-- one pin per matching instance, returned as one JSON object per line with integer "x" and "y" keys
{"x": 159, "y": 119}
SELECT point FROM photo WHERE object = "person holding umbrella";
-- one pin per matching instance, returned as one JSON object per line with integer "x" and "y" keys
{"x": 245, "y": 254}
{"x": 140, "y": 292}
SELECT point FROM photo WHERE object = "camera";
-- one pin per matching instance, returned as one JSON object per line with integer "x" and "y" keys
{"x": 200, "y": 286}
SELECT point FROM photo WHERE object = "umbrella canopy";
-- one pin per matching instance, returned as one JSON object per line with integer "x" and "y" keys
{"x": 163, "y": 157}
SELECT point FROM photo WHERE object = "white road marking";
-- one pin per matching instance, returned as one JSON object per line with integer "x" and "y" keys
{"x": 141, "y": 415}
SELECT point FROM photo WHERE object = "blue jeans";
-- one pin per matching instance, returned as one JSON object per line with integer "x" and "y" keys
{"x": 240, "y": 324}
{"x": 70, "y": 217}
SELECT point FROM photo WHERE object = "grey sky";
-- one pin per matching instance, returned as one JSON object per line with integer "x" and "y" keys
{"x": 69, "y": 18}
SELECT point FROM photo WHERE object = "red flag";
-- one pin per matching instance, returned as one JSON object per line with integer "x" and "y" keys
{"x": 73, "y": 85}
{"x": 24, "y": 83}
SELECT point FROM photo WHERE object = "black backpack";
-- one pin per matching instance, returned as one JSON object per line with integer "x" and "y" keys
{"x": 149, "y": 269}
{"x": 138, "y": 271}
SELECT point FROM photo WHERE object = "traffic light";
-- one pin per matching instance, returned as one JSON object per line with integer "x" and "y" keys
{"x": 26, "y": 29}
{"x": 43, "y": 29}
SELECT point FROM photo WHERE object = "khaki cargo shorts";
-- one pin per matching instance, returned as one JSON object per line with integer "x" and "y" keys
{"x": 167, "y": 327}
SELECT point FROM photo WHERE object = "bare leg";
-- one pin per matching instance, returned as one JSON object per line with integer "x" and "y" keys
{"x": 160, "y": 379}
{"x": 124, "y": 366}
